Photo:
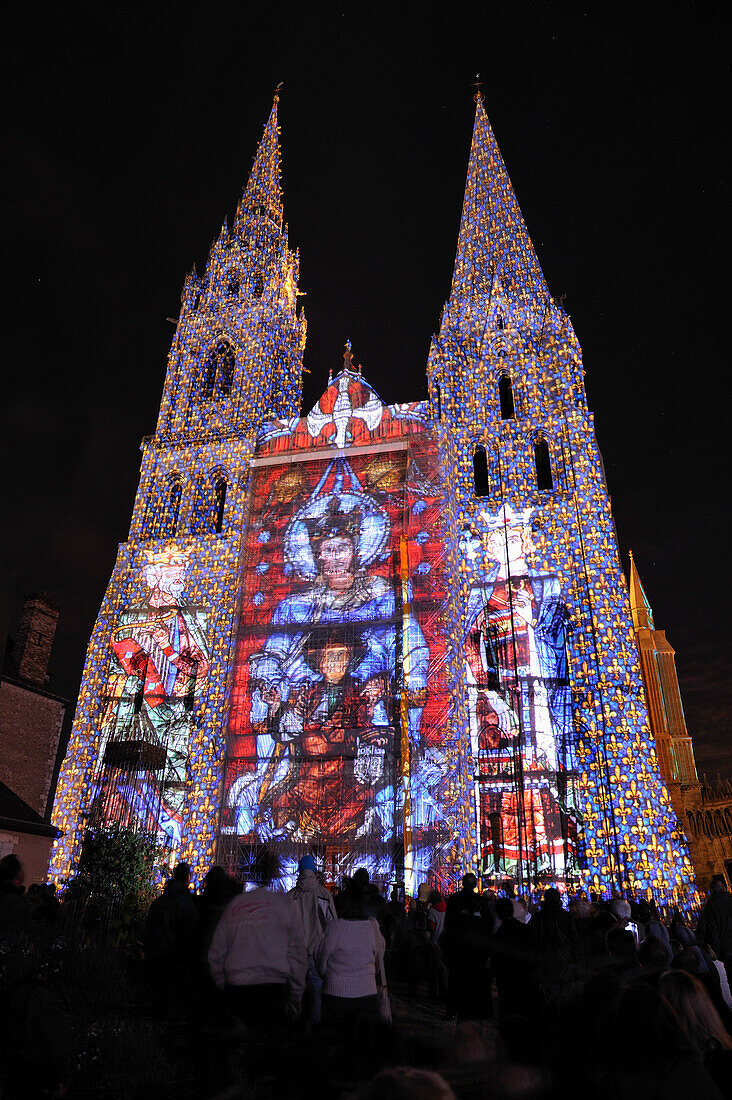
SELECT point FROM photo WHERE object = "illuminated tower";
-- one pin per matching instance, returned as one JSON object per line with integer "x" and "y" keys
{"x": 147, "y": 742}
{"x": 549, "y": 699}
{"x": 665, "y": 710}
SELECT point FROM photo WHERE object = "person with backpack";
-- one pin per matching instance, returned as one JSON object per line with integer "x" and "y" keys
{"x": 317, "y": 908}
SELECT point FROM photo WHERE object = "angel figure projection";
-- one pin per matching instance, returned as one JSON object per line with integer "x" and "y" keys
{"x": 160, "y": 662}
{"x": 323, "y": 685}
{"x": 520, "y": 707}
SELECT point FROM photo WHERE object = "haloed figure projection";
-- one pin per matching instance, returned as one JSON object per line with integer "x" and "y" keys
{"x": 160, "y": 662}
{"x": 322, "y": 687}
{"x": 520, "y": 708}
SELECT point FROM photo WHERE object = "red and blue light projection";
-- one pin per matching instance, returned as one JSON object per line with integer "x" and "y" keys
{"x": 391, "y": 636}
{"x": 337, "y": 736}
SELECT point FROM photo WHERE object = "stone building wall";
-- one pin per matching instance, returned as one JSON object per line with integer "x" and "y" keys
{"x": 30, "y": 728}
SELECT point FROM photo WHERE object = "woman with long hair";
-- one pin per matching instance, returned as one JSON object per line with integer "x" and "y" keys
{"x": 700, "y": 1019}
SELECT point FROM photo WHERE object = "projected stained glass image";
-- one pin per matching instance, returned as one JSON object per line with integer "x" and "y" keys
{"x": 159, "y": 666}
{"x": 520, "y": 706}
{"x": 333, "y": 668}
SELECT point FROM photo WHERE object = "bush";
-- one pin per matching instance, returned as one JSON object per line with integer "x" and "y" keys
{"x": 113, "y": 881}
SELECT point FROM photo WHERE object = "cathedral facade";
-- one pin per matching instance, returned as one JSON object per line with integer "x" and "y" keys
{"x": 393, "y": 636}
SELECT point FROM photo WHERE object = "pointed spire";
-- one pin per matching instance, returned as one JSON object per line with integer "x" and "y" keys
{"x": 494, "y": 240}
{"x": 347, "y": 357}
{"x": 639, "y": 605}
{"x": 263, "y": 194}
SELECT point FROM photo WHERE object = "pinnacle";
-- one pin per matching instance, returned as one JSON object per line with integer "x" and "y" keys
{"x": 263, "y": 194}
{"x": 494, "y": 241}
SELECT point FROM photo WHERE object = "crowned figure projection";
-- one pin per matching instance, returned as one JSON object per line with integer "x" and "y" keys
{"x": 159, "y": 665}
{"x": 520, "y": 706}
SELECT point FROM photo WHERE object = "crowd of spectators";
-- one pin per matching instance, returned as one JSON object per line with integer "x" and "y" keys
{"x": 539, "y": 997}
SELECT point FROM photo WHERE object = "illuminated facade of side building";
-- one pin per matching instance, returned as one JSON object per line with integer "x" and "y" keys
{"x": 704, "y": 807}
{"x": 395, "y": 636}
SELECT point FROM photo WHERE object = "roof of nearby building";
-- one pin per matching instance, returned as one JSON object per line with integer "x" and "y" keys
{"x": 17, "y": 816}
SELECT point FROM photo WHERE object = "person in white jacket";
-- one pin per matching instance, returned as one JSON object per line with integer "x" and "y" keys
{"x": 317, "y": 908}
{"x": 347, "y": 956}
{"x": 258, "y": 956}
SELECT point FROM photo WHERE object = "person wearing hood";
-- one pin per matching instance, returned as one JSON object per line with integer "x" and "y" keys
{"x": 317, "y": 908}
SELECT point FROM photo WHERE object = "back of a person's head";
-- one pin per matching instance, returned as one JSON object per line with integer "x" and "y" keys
{"x": 360, "y": 879}
{"x": 10, "y": 867}
{"x": 552, "y": 898}
{"x": 435, "y": 897}
{"x": 504, "y": 909}
{"x": 469, "y": 881}
{"x": 307, "y": 863}
{"x": 216, "y": 882}
{"x": 646, "y": 1028}
{"x": 406, "y": 1083}
{"x": 688, "y": 959}
{"x": 620, "y": 943}
{"x": 653, "y": 955}
{"x": 182, "y": 872}
{"x": 718, "y": 885}
{"x": 620, "y": 909}
{"x": 692, "y": 1004}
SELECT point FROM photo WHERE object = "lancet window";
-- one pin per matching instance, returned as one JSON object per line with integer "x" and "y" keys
{"x": 505, "y": 398}
{"x": 218, "y": 372}
{"x": 543, "y": 464}
{"x": 481, "y": 484}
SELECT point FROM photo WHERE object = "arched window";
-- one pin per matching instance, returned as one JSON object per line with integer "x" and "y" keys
{"x": 543, "y": 464}
{"x": 499, "y": 322}
{"x": 719, "y": 826}
{"x": 505, "y": 397}
{"x": 208, "y": 378}
{"x": 169, "y": 510}
{"x": 218, "y": 372}
{"x": 232, "y": 287}
{"x": 438, "y": 399}
{"x": 692, "y": 824}
{"x": 258, "y": 290}
{"x": 220, "y": 504}
{"x": 224, "y": 369}
{"x": 481, "y": 488}
{"x": 209, "y": 502}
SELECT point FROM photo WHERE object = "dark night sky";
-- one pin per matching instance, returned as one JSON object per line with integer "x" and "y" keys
{"x": 128, "y": 132}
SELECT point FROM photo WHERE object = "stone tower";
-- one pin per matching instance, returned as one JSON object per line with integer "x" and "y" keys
{"x": 558, "y": 751}
{"x": 147, "y": 740}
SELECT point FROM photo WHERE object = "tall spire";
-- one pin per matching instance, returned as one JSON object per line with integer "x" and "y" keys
{"x": 263, "y": 193}
{"x": 639, "y": 605}
{"x": 494, "y": 241}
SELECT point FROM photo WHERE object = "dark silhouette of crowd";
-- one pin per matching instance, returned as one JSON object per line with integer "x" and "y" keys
{"x": 290, "y": 994}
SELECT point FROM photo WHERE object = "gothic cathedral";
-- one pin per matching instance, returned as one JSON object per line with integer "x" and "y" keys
{"x": 390, "y": 636}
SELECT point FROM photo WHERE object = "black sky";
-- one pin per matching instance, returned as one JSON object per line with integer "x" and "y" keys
{"x": 129, "y": 130}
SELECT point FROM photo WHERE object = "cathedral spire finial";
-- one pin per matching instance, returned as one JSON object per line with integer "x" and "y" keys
{"x": 348, "y": 357}
{"x": 478, "y": 97}
{"x": 263, "y": 194}
{"x": 639, "y": 605}
{"x": 494, "y": 240}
